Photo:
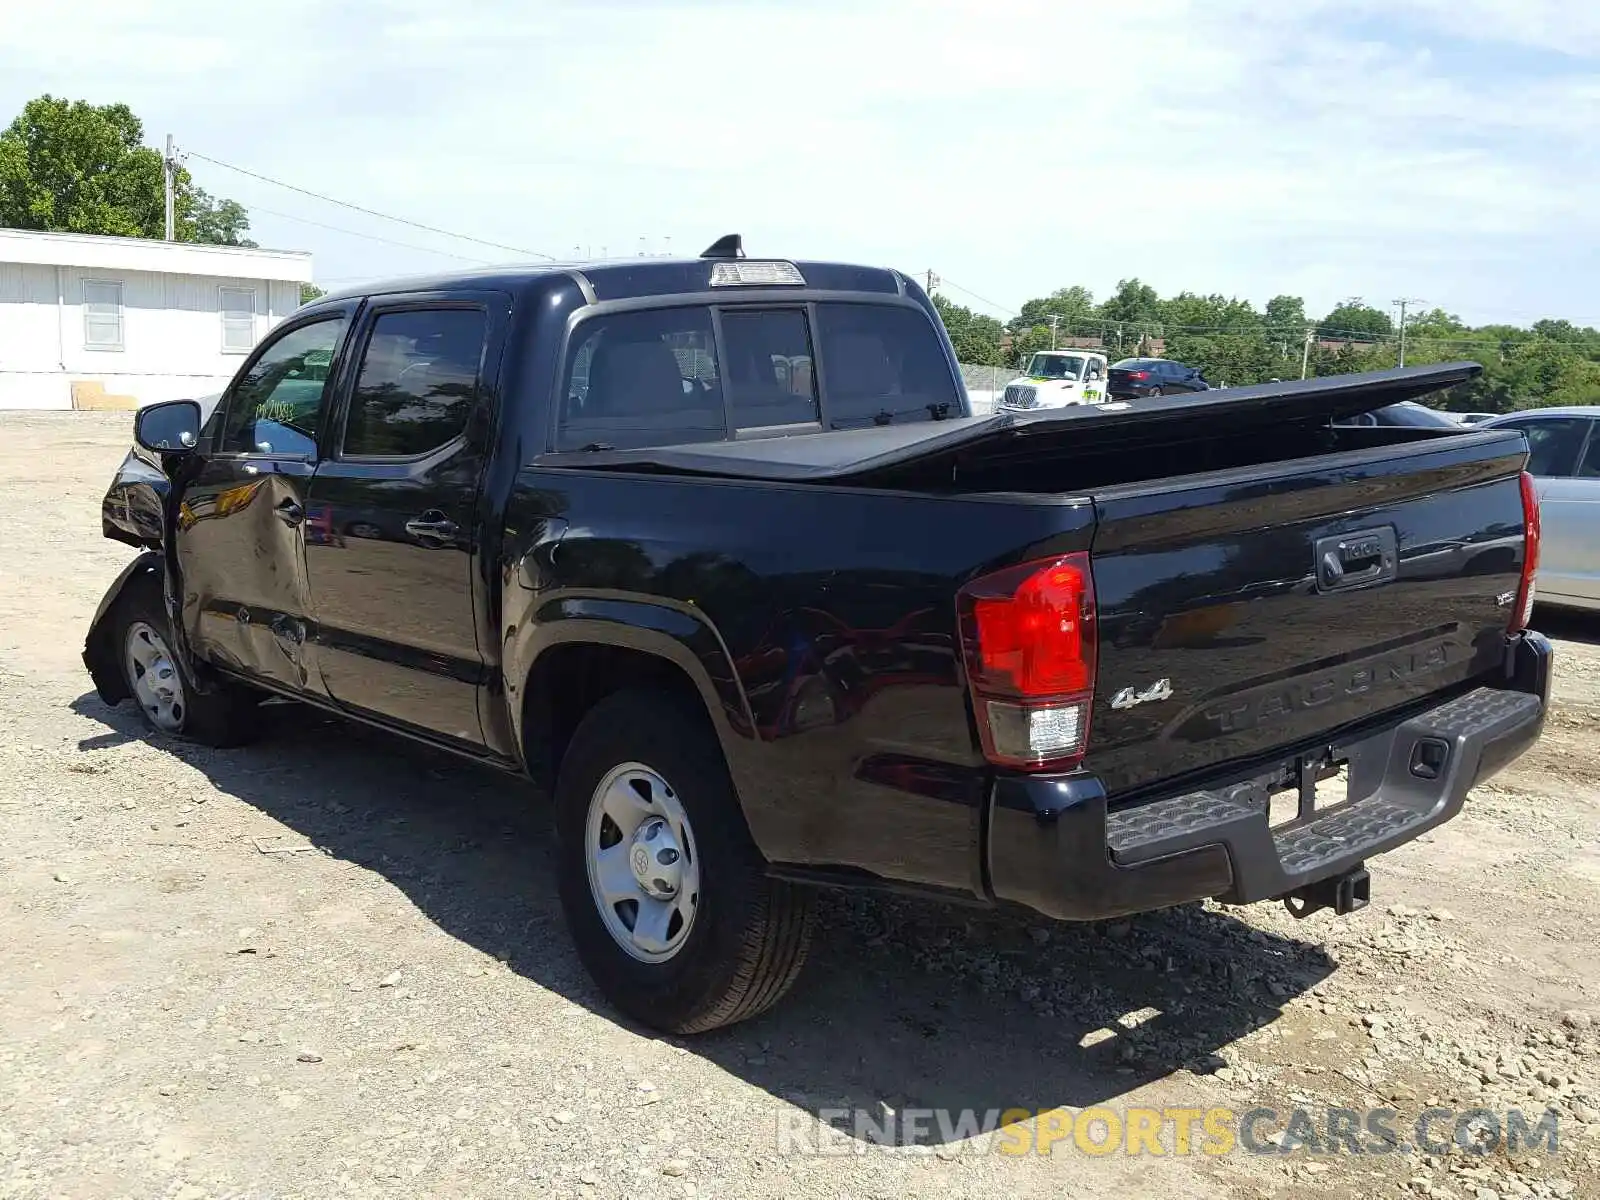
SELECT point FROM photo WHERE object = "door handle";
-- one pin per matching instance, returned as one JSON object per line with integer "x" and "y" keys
{"x": 289, "y": 512}
{"x": 1357, "y": 559}
{"x": 432, "y": 526}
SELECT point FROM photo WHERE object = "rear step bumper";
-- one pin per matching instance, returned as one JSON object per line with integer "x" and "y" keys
{"x": 1054, "y": 846}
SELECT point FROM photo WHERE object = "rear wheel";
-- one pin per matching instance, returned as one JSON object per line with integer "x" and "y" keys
{"x": 665, "y": 894}
{"x": 156, "y": 682}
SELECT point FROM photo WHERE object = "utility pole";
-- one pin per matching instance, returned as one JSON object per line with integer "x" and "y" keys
{"x": 169, "y": 179}
{"x": 1305, "y": 353}
{"x": 1055, "y": 319}
{"x": 933, "y": 281}
{"x": 1402, "y": 304}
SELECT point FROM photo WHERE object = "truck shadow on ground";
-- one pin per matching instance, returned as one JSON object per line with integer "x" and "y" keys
{"x": 1568, "y": 624}
{"x": 903, "y": 1004}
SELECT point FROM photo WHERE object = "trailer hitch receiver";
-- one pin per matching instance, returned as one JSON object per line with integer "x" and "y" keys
{"x": 1343, "y": 893}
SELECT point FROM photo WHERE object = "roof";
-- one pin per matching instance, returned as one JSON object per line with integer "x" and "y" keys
{"x": 1591, "y": 411}
{"x": 625, "y": 278}
{"x": 95, "y": 252}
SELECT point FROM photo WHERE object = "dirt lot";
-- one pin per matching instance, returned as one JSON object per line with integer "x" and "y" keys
{"x": 332, "y": 964}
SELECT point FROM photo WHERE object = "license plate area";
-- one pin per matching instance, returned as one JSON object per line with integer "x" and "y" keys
{"x": 1306, "y": 788}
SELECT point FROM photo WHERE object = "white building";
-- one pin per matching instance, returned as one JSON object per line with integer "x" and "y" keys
{"x": 105, "y": 322}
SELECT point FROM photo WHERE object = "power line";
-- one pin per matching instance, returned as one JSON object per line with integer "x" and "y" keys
{"x": 369, "y": 236}
{"x": 371, "y": 212}
{"x": 946, "y": 281}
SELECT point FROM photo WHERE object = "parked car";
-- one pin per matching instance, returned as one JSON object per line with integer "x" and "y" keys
{"x": 1474, "y": 418}
{"x": 1133, "y": 377}
{"x": 1407, "y": 414}
{"x": 757, "y": 629}
{"x": 1057, "y": 379}
{"x": 1564, "y": 460}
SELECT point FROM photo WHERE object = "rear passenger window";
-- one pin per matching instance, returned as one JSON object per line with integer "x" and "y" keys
{"x": 641, "y": 379}
{"x": 768, "y": 353}
{"x": 1589, "y": 468}
{"x": 883, "y": 363}
{"x": 418, "y": 382}
{"x": 1553, "y": 444}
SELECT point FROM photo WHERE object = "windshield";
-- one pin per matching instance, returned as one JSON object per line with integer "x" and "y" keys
{"x": 1056, "y": 366}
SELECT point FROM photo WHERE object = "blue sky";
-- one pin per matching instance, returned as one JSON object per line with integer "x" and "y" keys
{"x": 1447, "y": 150}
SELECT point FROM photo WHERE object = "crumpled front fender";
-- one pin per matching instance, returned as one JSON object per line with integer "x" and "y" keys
{"x": 133, "y": 506}
{"x": 100, "y": 648}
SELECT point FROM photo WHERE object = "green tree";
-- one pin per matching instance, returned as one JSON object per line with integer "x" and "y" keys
{"x": 1286, "y": 324}
{"x": 1435, "y": 324}
{"x": 1073, "y": 306}
{"x": 310, "y": 292}
{"x": 976, "y": 337}
{"x": 1028, "y": 342}
{"x": 1553, "y": 362}
{"x": 1353, "y": 319}
{"x": 68, "y": 166}
{"x": 1133, "y": 303}
{"x": 203, "y": 218}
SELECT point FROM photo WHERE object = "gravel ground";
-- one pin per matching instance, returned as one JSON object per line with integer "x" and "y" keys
{"x": 332, "y": 964}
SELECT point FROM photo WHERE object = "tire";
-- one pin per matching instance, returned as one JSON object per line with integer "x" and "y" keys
{"x": 166, "y": 701}
{"x": 744, "y": 939}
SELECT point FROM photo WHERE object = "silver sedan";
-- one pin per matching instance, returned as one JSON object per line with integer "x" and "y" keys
{"x": 1564, "y": 460}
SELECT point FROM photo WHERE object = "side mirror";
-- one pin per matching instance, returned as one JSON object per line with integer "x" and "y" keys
{"x": 172, "y": 427}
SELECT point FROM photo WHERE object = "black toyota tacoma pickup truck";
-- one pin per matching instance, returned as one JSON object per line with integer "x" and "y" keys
{"x": 714, "y": 550}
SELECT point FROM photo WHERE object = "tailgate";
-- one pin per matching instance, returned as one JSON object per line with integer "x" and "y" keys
{"x": 1249, "y": 613}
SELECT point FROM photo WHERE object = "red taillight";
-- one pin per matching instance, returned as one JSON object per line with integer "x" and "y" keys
{"x": 1523, "y": 610}
{"x": 1028, "y": 637}
{"x": 1138, "y": 374}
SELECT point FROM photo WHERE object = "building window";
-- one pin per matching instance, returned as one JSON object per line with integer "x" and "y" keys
{"x": 102, "y": 315}
{"x": 238, "y": 320}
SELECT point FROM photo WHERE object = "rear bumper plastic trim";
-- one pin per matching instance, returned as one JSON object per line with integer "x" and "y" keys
{"x": 1054, "y": 844}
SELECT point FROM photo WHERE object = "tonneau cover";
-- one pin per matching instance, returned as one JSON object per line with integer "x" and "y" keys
{"x": 848, "y": 455}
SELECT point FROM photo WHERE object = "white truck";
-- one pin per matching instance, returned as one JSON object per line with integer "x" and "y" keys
{"x": 1057, "y": 379}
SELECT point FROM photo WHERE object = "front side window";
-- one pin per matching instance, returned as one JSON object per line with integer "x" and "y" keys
{"x": 275, "y": 406}
{"x": 1553, "y": 444}
{"x": 641, "y": 379}
{"x": 881, "y": 364}
{"x": 768, "y": 353}
{"x": 418, "y": 382}
{"x": 102, "y": 315}
{"x": 238, "y": 319}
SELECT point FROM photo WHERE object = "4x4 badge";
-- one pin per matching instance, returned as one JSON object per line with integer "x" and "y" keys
{"x": 1161, "y": 689}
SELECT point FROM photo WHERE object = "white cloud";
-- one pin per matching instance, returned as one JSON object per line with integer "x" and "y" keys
{"x": 1441, "y": 148}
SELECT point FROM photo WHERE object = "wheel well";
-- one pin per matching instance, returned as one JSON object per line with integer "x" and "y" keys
{"x": 101, "y": 654}
{"x": 568, "y": 680}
